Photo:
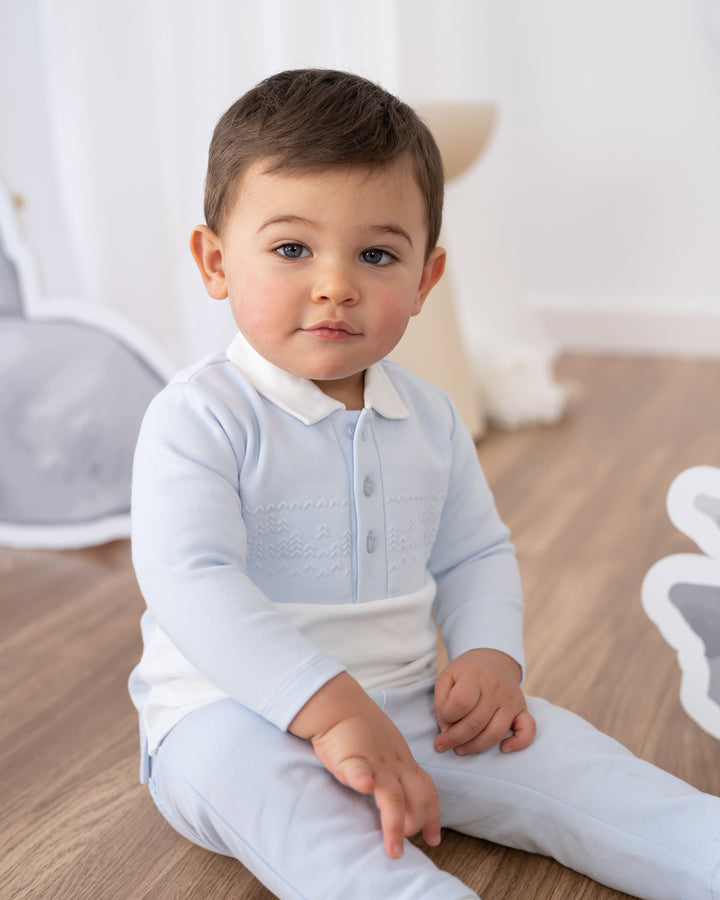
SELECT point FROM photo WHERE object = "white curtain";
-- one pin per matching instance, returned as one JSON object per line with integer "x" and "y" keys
{"x": 134, "y": 90}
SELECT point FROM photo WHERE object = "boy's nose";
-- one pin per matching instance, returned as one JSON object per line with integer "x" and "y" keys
{"x": 335, "y": 285}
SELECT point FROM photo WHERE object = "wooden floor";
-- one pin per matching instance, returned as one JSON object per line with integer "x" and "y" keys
{"x": 585, "y": 500}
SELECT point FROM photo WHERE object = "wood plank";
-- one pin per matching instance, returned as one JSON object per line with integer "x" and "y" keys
{"x": 585, "y": 501}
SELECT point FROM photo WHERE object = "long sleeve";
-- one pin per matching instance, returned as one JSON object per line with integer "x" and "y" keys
{"x": 479, "y": 595}
{"x": 190, "y": 555}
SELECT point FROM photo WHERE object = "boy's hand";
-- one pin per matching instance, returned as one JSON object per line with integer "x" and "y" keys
{"x": 478, "y": 700}
{"x": 358, "y": 744}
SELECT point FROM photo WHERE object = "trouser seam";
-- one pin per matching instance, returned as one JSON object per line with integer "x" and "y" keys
{"x": 583, "y": 813}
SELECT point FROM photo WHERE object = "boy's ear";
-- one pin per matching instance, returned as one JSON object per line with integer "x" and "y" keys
{"x": 431, "y": 274}
{"x": 207, "y": 252}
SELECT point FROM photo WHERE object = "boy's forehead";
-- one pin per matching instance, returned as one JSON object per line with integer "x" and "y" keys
{"x": 396, "y": 179}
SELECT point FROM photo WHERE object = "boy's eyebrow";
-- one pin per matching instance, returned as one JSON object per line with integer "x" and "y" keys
{"x": 284, "y": 220}
{"x": 395, "y": 229}
{"x": 300, "y": 220}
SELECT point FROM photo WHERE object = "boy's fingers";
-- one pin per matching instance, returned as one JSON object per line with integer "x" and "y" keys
{"x": 483, "y": 736}
{"x": 443, "y": 686}
{"x": 356, "y": 774}
{"x": 406, "y": 809}
{"x": 390, "y": 800}
{"x": 422, "y": 804}
{"x": 455, "y": 701}
{"x": 483, "y": 730}
{"x": 524, "y": 731}
{"x": 432, "y": 834}
{"x": 430, "y": 823}
{"x": 467, "y": 728}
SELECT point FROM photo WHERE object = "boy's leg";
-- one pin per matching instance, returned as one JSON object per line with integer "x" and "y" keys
{"x": 231, "y": 782}
{"x": 578, "y": 796}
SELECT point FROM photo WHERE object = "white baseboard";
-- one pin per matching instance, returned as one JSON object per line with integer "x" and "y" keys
{"x": 693, "y": 332}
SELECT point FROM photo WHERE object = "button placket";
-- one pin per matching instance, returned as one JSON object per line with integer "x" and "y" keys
{"x": 370, "y": 513}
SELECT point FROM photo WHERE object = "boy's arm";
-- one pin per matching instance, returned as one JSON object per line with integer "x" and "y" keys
{"x": 190, "y": 549}
{"x": 358, "y": 744}
{"x": 479, "y": 610}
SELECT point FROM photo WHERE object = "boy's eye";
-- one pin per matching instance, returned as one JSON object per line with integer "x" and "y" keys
{"x": 293, "y": 251}
{"x": 377, "y": 257}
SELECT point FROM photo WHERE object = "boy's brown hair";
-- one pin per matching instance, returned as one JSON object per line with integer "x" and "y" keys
{"x": 315, "y": 119}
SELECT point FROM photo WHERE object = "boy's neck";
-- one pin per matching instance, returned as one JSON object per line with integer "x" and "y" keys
{"x": 350, "y": 391}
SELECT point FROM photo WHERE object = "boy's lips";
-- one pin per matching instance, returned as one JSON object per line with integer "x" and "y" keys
{"x": 331, "y": 330}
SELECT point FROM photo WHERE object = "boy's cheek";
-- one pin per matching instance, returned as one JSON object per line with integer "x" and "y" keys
{"x": 256, "y": 302}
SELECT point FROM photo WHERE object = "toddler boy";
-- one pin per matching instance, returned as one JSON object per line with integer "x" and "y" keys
{"x": 302, "y": 508}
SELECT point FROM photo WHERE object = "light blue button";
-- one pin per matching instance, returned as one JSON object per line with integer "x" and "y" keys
{"x": 370, "y": 543}
{"x": 350, "y": 430}
{"x": 368, "y": 486}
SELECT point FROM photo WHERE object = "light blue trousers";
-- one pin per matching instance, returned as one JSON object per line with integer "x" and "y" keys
{"x": 231, "y": 782}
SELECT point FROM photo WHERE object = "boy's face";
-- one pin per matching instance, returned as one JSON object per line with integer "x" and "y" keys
{"x": 323, "y": 270}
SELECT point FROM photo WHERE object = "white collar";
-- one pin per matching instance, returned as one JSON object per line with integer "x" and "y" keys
{"x": 303, "y": 399}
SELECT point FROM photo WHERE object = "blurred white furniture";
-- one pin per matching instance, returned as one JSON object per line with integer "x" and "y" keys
{"x": 432, "y": 346}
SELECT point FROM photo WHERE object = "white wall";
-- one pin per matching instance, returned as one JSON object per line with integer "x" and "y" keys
{"x": 602, "y": 184}
{"x": 600, "y": 188}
